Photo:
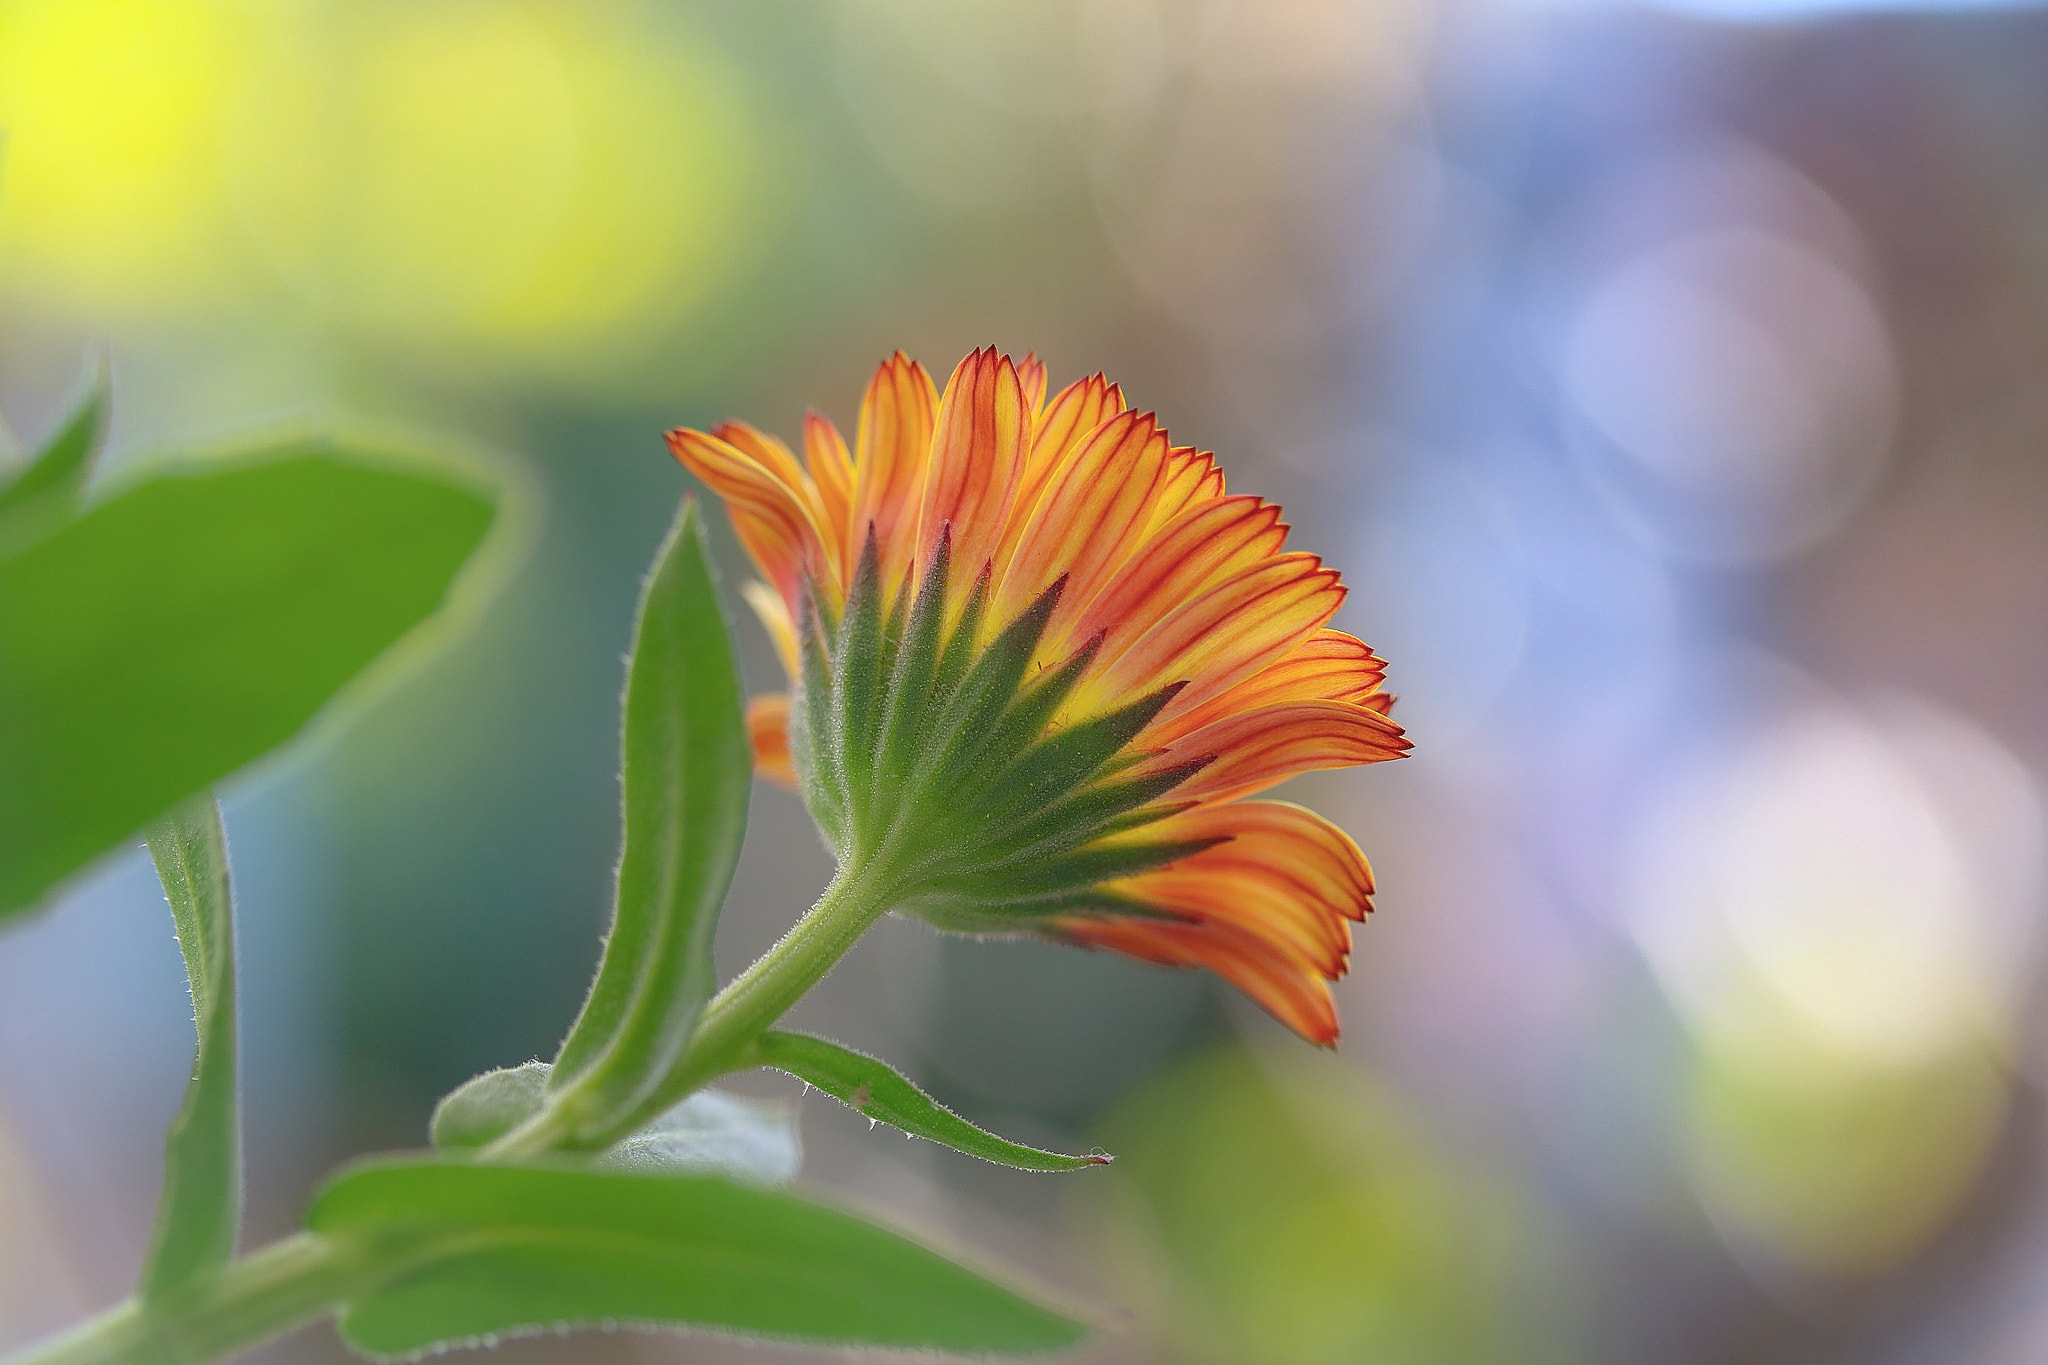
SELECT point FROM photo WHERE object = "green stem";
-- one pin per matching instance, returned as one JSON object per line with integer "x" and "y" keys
{"x": 737, "y": 1015}
{"x": 265, "y": 1294}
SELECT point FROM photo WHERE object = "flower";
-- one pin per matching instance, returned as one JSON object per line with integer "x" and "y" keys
{"x": 1039, "y": 658}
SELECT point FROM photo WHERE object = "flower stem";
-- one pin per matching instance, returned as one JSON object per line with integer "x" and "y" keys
{"x": 762, "y": 994}
{"x": 263, "y": 1295}
{"x": 736, "y": 1016}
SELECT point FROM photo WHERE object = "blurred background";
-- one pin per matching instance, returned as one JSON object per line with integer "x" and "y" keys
{"x": 1669, "y": 380}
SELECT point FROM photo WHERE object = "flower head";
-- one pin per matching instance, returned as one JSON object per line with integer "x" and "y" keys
{"x": 1039, "y": 657}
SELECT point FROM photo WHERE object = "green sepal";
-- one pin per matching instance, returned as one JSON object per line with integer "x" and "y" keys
{"x": 1067, "y": 758}
{"x": 940, "y": 761}
{"x": 813, "y": 732}
{"x": 1091, "y": 813}
{"x": 914, "y": 683}
{"x": 1071, "y": 872}
{"x": 876, "y": 1090}
{"x": 860, "y": 664}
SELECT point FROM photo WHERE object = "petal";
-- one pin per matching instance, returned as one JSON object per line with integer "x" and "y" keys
{"x": 774, "y": 509}
{"x": 1074, "y": 414}
{"x": 1298, "y": 997}
{"x": 1192, "y": 478}
{"x": 1255, "y": 749}
{"x": 1075, "y": 411}
{"x": 1269, "y": 908}
{"x": 978, "y": 449}
{"x": 1031, "y": 376}
{"x": 1198, "y": 550}
{"x": 1081, "y": 527}
{"x": 891, "y": 449}
{"x": 768, "y": 731}
{"x": 1328, "y": 666}
{"x": 1219, "y": 638}
{"x": 774, "y": 614}
{"x": 1282, "y": 872}
{"x": 831, "y": 471}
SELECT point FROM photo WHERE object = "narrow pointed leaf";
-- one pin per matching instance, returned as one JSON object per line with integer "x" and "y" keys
{"x": 193, "y": 622}
{"x": 687, "y": 769}
{"x": 874, "y": 1088}
{"x": 476, "y": 1251}
{"x": 59, "y": 470}
{"x": 201, "y": 1210}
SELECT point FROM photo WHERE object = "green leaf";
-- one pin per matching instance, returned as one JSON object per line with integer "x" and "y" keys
{"x": 195, "y": 621}
{"x": 874, "y": 1088}
{"x": 475, "y": 1251}
{"x": 202, "y": 1199}
{"x": 687, "y": 769}
{"x": 708, "y": 1133}
{"x": 58, "y": 472}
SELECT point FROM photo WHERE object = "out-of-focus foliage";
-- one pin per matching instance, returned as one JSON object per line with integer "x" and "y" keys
{"x": 1284, "y": 1209}
{"x": 191, "y": 622}
{"x": 523, "y": 182}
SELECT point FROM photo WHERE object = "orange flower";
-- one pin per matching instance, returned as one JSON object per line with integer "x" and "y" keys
{"x": 1039, "y": 658}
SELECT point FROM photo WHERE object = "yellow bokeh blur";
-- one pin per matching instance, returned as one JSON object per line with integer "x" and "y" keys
{"x": 111, "y": 111}
{"x": 539, "y": 183}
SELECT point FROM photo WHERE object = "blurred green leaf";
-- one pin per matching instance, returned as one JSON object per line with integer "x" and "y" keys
{"x": 687, "y": 767}
{"x": 874, "y": 1088}
{"x": 59, "y": 470}
{"x": 708, "y": 1133}
{"x": 1289, "y": 1210}
{"x": 193, "y": 622}
{"x": 484, "y": 1250}
{"x": 202, "y": 1199}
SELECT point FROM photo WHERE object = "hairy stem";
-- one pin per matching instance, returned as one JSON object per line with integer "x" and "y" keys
{"x": 737, "y": 1015}
{"x": 265, "y": 1294}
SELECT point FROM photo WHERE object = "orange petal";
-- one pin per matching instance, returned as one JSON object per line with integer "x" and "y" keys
{"x": 1081, "y": 527}
{"x": 891, "y": 449}
{"x": 1283, "y": 872}
{"x": 768, "y": 731}
{"x": 1078, "y": 409}
{"x": 978, "y": 449}
{"x": 1269, "y": 909}
{"x": 1031, "y": 376}
{"x": 832, "y": 473}
{"x": 1328, "y": 666}
{"x": 1255, "y": 749}
{"x": 1201, "y": 548}
{"x": 1220, "y": 638}
{"x": 1074, "y": 414}
{"x": 775, "y": 518}
{"x": 1192, "y": 478}
{"x": 1298, "y": 997}
{"x": 774, "y": 614}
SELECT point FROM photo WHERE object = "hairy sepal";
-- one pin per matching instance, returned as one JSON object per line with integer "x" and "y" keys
{"x": 937, "y": 754}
